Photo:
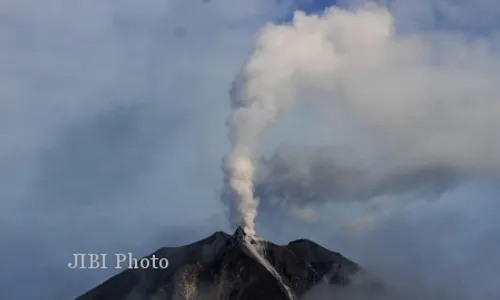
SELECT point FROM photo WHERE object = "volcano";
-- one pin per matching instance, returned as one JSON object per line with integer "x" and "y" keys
{"x": 221, "y": 267}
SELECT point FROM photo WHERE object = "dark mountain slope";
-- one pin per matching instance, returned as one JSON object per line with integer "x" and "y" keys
{"x": 217, "y": 267}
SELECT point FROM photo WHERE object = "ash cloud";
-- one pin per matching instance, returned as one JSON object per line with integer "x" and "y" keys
{"x": 408, "y": 112}
{"x": 302, "y": 175}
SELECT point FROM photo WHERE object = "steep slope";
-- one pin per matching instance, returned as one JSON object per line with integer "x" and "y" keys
{"x": 218, "y": 267}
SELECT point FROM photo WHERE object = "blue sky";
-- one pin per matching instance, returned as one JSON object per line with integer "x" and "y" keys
{"x": 314, "y": 6}
{"x": 112, "y": 127}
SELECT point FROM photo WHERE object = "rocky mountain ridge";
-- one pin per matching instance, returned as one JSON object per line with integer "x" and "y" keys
{"x": 219, "y": 268}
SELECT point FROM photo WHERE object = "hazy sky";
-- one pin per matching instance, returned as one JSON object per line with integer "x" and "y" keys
{"x": 112, "y": 132}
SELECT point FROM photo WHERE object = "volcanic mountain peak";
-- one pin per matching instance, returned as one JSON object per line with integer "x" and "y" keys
{"x": 239, "y": 235}
{"x": 221, "y": 267}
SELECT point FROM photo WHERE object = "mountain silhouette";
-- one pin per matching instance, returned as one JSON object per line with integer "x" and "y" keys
{"x": 219, "y": 267}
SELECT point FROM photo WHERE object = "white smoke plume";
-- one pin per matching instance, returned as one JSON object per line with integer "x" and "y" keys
{"x": 256, "y": 104}
{"x": 406, "y": 108}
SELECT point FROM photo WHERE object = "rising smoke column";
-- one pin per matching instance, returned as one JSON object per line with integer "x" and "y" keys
{"x": 416, "y": 112}
{"x": 265, "y": 89}
{"x": 255, "y": 103}
{"x": 258, "y": 96}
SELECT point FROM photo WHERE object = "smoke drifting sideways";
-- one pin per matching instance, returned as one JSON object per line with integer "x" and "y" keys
{"x": 407, "y": 112}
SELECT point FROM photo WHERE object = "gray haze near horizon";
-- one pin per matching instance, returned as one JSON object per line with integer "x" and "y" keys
{"x": 112, "y": 127}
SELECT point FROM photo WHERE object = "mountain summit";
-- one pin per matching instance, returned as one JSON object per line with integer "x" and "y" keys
{"x": 220, "y": 267}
